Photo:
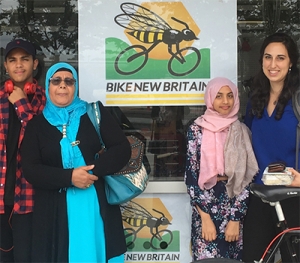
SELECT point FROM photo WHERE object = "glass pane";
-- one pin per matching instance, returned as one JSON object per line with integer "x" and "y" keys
{"x": 163, "y": 130}
{"x": 53, "y": 27}
{"x": 256, "y": 20}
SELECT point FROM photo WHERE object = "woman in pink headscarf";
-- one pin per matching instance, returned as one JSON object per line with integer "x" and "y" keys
{"x": 220, "y": 165}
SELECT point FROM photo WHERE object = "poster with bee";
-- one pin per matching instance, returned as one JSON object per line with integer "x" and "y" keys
{"x": 155, "y": 52}
{"x": 157, "y": 228}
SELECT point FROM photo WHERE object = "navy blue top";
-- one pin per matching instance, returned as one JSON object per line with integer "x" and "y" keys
{"x": 273, "y": 140}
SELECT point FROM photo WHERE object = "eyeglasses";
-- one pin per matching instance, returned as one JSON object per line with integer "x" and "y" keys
{"x": 57, "y": 81}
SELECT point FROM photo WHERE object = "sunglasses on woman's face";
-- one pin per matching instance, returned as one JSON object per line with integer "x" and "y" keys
{"x": 57, "y": 81}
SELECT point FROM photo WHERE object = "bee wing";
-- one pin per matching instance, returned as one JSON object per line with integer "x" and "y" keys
{"x": 133, "y": 210}
{"x": 137, "y": 17}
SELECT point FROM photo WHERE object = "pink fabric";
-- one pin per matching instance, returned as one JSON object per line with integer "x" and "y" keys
{"x": 215, "y": 130}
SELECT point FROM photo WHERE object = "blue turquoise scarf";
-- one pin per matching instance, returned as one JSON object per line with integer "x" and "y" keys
{"x": 69, "y": 116}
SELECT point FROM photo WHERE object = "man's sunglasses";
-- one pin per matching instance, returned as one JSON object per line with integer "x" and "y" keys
{"x": 57, "y": 81}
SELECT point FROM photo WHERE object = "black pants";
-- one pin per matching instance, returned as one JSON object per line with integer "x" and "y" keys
{"x": 260, "y": 227}
{"x": 15, "y": 241}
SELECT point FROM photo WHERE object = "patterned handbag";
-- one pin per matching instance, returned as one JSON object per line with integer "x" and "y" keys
{"x": 132, "y": 179}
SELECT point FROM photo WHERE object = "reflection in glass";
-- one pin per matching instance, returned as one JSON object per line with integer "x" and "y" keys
{"x": 53, "y": 27}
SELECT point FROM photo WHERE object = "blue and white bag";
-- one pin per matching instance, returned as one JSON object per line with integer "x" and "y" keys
{"x": 132, "y": 179}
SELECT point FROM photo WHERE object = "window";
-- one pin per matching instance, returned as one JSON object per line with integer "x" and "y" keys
{"x": 53, "y": 27}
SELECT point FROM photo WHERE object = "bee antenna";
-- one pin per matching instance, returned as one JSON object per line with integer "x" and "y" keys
{"x": 181, "y": 22}
{"x": 158, "y": 212}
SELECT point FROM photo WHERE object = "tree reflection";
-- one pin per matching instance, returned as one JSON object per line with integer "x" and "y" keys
{"x": 51, "y": 25}
{"x": 265, "y": 17}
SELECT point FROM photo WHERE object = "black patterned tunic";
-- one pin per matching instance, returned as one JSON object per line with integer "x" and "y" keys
{"x": 215, "y": 202}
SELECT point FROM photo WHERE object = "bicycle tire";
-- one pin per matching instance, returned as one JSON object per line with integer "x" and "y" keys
{"x": 173, "y": 58}
{"x": 130, "y": 237}
{"x": 131, "y": 52}
{"x": 160, "y": 240}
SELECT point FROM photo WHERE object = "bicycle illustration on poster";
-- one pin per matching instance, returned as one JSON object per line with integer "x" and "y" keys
{"x": 137, "y": 218}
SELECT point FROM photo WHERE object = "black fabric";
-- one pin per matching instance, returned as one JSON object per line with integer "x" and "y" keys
{"x": 22, "y": 236}
{"x": 6, "y": 237}
{"x": 15, "y": 243}
{"x": 50, "y": 227}
{"x": 41, "y": 145}
{"x": 14, "y": 127}
{"x": 129, "y": 129}
{"x": 260, "y": 227}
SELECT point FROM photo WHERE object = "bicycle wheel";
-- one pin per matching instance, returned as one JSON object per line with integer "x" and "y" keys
{"x": 131, "y": 60}
{"x": 217, "y": 260}
{"x": 130, "y": 236}
{"x": 190, "y": 63}
{"x": 162, "y": 239}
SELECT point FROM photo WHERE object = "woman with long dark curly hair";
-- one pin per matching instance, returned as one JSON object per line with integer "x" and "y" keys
{"x": 271, "y": 118}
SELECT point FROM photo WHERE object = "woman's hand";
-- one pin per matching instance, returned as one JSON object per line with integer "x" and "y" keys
{"x": 81, "y": 178}
{"x": 209, "y": 232}
{"x": 232, "y": 231}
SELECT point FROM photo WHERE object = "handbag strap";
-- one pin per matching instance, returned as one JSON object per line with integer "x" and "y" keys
{"x": 94, "y": 114}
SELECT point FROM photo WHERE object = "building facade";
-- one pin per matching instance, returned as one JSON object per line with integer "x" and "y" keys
{"x": 153, "y": 87}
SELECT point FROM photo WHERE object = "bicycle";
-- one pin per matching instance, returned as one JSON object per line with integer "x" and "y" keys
{"x": 138, "y": 217}
{"x": 272, "y": 195}
{"x": 137, "y": 55}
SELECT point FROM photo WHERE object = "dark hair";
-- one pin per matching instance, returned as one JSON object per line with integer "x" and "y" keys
{"x": 63, "y": 69}
{"x": 260, "y": 88}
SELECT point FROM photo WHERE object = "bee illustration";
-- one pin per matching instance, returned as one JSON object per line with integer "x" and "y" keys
{"x": 148, "y": 27}
{"x": 137, "y": 216}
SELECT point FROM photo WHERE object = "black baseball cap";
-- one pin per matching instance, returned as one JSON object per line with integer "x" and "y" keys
{"x": 20, "y": 43}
